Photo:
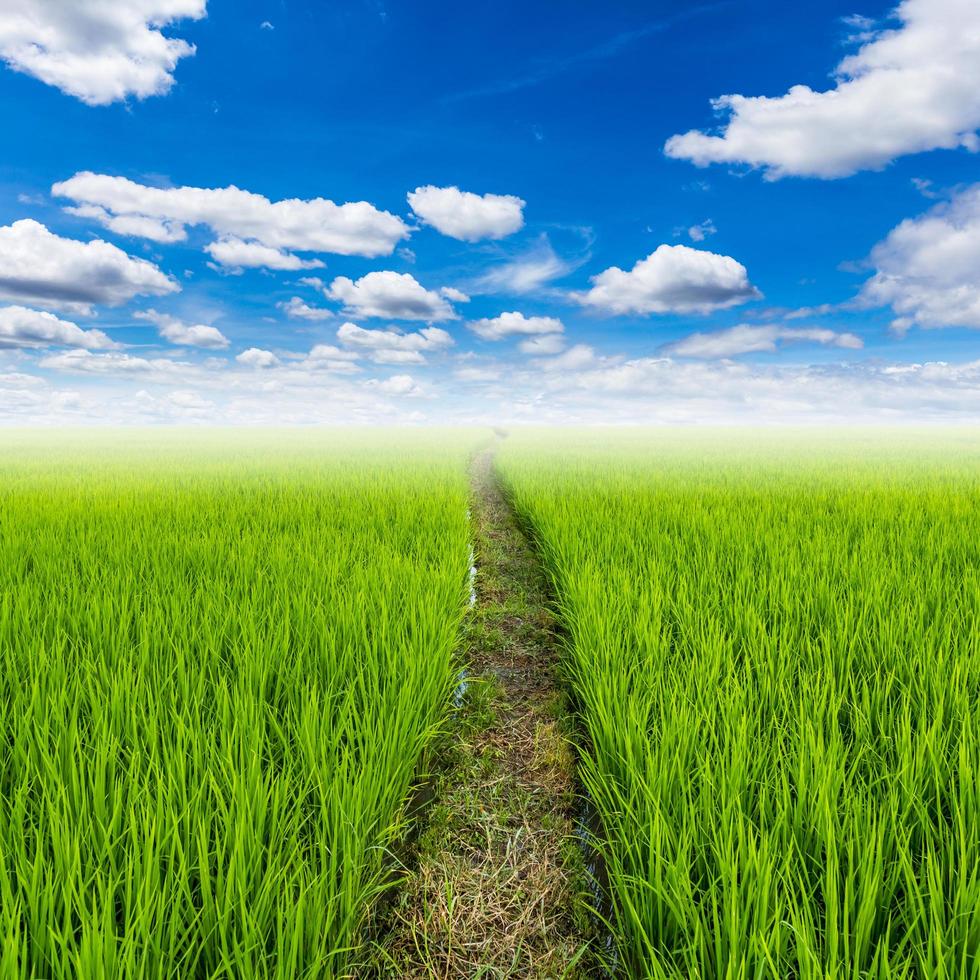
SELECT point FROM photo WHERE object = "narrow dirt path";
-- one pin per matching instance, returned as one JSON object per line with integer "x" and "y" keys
{"x": 499, "y": 880}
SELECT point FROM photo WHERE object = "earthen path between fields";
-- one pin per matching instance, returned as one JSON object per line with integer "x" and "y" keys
{"x": 497, "y": 887}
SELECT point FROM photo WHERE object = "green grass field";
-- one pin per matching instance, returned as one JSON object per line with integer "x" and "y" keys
{"x": 225, "y": 660}
{"x": 773, "y": 644}
{"x": 220, "y": 665}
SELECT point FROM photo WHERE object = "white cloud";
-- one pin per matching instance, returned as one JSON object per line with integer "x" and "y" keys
{"x": 326, "y": 357}
{"x": 673, "y": 279}
{"x": 256, "y": 357}
{"x": 164, "y": 369}
{"x": 191, "y": 400}
{"x": 297, "y": 308}
{"x": 428, "y": 338}
{"x": 807, "y": 312}
{"x": 515, "y": 324}
{"x": 666, "y": 390}
{"x": 527, "y": 272}
{"x": 928, "y": 268}
{"x": 238, "y": 254}
{"x": 97, "y": 52}
{"x": 40, "y": 267}
{"x": 699, "y": 232}
{"x": 392, "y": 346}
{"x": 454, "y": 295}
{"x": 186, "y": 334}
{"x": 244, "y": 223}
{"x": 236, "y": 396}
{"x": 304, "y": 370}
{"x": 17, "y": 379}
{"x": 21, "y": 327}
{"x": 907, "y": 90}
{"x": 397, "y": 357}
{"x": 477, "y": 375}
{"x": 391, "y": 295}
{"x": 745, "y": 339}
{"x": 552, "y": 343}
{"x": 38, "y": 404}
{"x": 465, "y": 216}
{"x": 925, "y": 188}
{"x": 580, "y": 386}
{"x": 403, "y": 385}
{"x": 176, "y": 405}
{"x": 576, "y": 358}
{"x": 133, "y": 225}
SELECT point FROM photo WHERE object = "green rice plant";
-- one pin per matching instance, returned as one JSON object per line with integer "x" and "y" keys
{"x": 774, "y": 647}
{"x": 222, "y": 658}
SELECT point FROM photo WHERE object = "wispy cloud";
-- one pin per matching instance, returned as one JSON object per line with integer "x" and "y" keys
{"x": 543, "y": 69}
{"x": 533, "y": 269}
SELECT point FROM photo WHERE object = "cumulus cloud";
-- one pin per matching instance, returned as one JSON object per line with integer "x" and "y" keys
{"x": 465, "y": 216}
{"x": 699, "y": 232}
{"x": 17, "y": 379}
{"x": 514, "y": 323}
{"x": 673, "y": 279}
{"x": 22, "y": 327}
{"x": 39, "y": 405}
{"x": 394, "y": 356}
{"x": 403, "y": 385}
{"x": 234, "y": 395}
{"x": 176, "y": 406}
{"x": 162, "y": 369}
{"x": 576, "y": 358}
{"x": 256, "y": 357}
{"x": 239, "y": 375}
{"x": 185, "y": 334}
{"x": 392, "y": 346}
{"x": 391, "y": 295}
{"x": 97, "y": 52}
{"x": 326, "y": 357}
{"x": 37, "y": 266}
{"x": 133, "y": 225}
{"x": 906, "y": 90}
{"x": 299, "y": 309}
{"x": 553, "y": 343}
{"x": 927, "y": 267}
{"x": 746, "y": 339}
{"x": 251, "y": 230}
{"x": 238, "y": 254}
{"x": 428, "y": 338}
{"x": 477, "y": 375}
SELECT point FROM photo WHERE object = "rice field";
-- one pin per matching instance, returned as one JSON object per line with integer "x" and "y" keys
{"x": 774, "y": 649}
{"x": 226, "y": 660}
{"x": 221, "y": 664}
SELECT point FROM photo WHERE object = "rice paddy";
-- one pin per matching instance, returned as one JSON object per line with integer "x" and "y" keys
{"x": 220, "y": 667}
{"x": 226, "y": 661}
{"x": 773, "y": 645}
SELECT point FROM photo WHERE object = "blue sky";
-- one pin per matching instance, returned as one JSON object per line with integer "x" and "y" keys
{"x": 588, "y": 238}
